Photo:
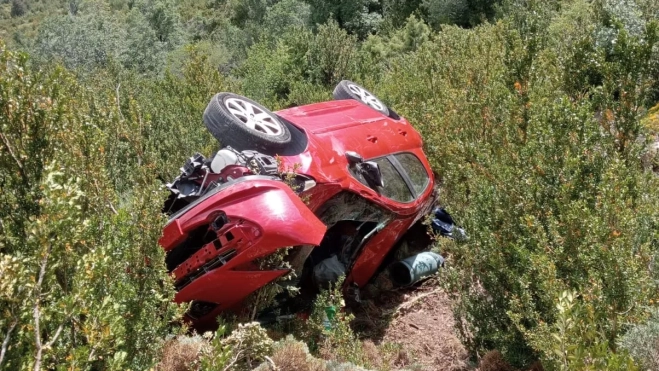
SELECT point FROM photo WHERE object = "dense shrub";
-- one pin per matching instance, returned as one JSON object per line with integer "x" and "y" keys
{"x": 84, "y": 42}
{"x": 83, "y": 283}
{"x": 547, "y": 176}
{"x": 299, "y": 59}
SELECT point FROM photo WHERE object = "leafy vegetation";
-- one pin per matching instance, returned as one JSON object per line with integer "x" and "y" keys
{"x": 546, "y": 175}
{"x": 74, "y": 292}
{"x": 536, "y": 116}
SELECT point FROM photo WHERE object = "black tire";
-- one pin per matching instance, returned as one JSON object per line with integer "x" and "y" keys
{"x": 231, "y": 129}
{"x": 343, "y": 91}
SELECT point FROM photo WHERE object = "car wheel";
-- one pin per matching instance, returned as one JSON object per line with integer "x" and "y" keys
{"x": 347, "y": 89}
{"x": 243, "y": 124}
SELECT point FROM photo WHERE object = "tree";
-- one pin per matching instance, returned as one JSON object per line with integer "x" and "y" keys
{"x": 465, "y": 13}
{"x": 397, "y": 11}
{"x": 446, "y": 11}
{"x": 285, "y": 15}
{"x": 142, "y": 51}
{"x": 411, "y": 36}
{"x": 74, "y": 7}
{"x": 85, "y": 41}
{"x": 18, "y": 8}
{"x": 360, "y": 17}
{"x": 163, "y": 17}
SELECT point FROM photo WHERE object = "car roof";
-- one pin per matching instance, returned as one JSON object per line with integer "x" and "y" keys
{"x": 348, "y": 125}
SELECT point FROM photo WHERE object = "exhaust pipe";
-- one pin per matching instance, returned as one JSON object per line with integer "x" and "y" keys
{"x": 413, "y": 269}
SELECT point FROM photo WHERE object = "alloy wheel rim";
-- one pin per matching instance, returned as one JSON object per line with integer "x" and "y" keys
{"x": 253, "y": 117}
{"x": 366, "y": 97}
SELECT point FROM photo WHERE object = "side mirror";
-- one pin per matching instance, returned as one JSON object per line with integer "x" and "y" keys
{"x": 372, "y": 173}
{"x": 354, "y": 157}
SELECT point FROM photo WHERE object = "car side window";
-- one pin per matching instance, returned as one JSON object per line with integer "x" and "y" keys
{"x": 394, "y": 188}
{"x": 415, "y": 171}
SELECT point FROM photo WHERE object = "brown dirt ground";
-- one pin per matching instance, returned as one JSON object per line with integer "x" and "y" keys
{"x": 426, "y": 331}
{"x": 419, "y": 320}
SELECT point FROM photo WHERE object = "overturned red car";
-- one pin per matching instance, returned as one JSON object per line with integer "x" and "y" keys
{"x": 337, "y": 183}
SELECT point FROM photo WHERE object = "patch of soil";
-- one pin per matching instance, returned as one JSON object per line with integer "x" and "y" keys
{"x": 420, "y": 321}
{"x": 426, "y": 330}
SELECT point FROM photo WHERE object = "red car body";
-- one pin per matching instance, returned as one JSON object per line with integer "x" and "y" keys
{"x": 260, "y": 215}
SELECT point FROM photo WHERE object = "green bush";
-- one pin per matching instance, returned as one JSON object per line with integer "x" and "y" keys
{"x": 243, "y": 349}
{"x": 18, "y": 8}
{"x": 547, "y": 177}
{"x": 299, "y": 62}
{"x": 83, "y": 279}
{"x": 84, "y": 42}
{"x": 578, "y": 343}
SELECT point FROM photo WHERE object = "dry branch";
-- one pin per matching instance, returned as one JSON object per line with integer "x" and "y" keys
{"x": 413, "y": 301}
{"x": 5, "y": 342}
